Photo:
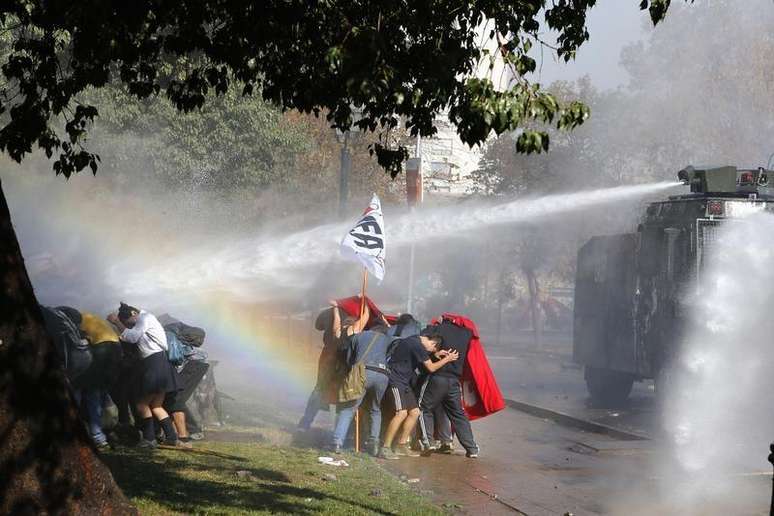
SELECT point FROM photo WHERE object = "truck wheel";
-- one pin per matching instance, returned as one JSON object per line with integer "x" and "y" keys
{"x": 608, "y": 388}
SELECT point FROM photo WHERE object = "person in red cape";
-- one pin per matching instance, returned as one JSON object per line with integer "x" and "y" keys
{"x": 480, "y": 394}
{"x": 462, "y": 393}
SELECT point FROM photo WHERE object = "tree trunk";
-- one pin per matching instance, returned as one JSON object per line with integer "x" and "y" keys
{"x": 47, "y": 462}
{"x": 534, "y": 307}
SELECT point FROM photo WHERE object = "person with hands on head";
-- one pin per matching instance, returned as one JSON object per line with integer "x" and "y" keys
{"x": 408, "y": 355}
{"x": 157, "y": 377}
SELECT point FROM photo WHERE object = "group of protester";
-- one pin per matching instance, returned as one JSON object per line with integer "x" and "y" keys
{"x": 414, "y": 372}
{"x": 147, "y": 369}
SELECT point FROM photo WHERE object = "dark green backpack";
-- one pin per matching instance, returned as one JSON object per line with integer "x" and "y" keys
{"x": 352, "y": 378}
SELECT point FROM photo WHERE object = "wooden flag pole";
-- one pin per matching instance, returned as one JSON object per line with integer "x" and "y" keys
{"x": 362, "y": 312}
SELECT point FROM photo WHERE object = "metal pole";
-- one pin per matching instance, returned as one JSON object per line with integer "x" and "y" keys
{"x": 409, "y": 302}
{"x": 344, "y": 176}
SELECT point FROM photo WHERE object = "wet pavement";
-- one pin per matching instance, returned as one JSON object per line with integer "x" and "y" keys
{"x": 527, "y": 465}
{"x": 547, "y": 377}
{"x": 534, "y": 466}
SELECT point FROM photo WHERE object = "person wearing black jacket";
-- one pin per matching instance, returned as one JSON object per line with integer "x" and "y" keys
{"x": 443, "y": 389}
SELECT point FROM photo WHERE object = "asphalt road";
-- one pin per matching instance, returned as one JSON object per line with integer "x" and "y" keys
{"x": 535, "y": 466}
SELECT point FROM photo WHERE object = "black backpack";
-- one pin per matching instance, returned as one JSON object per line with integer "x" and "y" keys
{"x": 72, "y": 350}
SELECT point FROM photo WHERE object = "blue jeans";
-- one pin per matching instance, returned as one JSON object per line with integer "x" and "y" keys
{"x": 313, "y": 406}
{"x": 94, "y": 400}
{"x": 376, "y": 385}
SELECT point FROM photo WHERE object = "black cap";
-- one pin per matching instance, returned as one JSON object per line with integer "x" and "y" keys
{"x": 125, "y": 311}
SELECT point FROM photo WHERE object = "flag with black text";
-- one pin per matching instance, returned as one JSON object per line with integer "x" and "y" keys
{"x": 366, "y": 241}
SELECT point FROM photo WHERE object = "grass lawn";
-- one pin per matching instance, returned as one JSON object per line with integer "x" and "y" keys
{"x": 245, "y": 477}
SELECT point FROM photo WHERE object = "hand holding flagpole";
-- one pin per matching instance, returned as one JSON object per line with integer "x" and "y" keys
{"x": 365, "y": 243}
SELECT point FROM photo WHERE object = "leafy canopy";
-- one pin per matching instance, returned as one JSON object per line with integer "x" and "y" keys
{"x": 362, "y": 63}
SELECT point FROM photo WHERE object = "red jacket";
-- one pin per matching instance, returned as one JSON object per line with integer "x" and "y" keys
{"x": 480, "y": 394}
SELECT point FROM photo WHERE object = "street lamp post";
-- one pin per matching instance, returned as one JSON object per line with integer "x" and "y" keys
{"x": 414, "y": 191}
{"x": 346, "y": 163}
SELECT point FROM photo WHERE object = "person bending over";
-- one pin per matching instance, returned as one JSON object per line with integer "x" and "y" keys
{"x": 98, "y": 379}
{"x": 409, "y": 354}
{"x": 157, "y": 376}
{"x": 443, "y": 390}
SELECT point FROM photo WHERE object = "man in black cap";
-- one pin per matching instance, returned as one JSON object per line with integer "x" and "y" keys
{"x": 409, "y": 354}
{"x": 442, "y": 390}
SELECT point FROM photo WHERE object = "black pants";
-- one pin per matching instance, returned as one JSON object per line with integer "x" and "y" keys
{"x": 444, "y": 391}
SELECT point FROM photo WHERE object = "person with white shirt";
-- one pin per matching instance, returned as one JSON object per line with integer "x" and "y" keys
{"x": 156, "y": 377}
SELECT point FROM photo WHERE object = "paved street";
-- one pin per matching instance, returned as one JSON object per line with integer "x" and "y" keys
{"x": 538, "y": 467}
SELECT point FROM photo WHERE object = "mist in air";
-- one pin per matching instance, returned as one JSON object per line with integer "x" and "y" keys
{"x": 717, "y": 413}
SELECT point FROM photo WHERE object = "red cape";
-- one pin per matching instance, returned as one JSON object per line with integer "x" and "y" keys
{"x": 351, "y": 306}
{"x": 480, "y": 394}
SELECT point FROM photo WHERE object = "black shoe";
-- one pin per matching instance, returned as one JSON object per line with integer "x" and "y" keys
{"x": 335, "y": 448}
{"x": 472, "y": 453}
{"x": 445, "y": 448}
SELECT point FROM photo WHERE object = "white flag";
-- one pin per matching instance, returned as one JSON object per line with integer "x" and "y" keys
{"x": 366, "y": 241}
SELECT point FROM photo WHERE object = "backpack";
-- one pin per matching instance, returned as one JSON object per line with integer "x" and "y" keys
{"x": 351, "y": 387}
{"x": 175, "y": 351}
{"x": 72, "y": 350}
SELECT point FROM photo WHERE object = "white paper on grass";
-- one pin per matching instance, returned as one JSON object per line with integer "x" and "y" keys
{"x": 366, "y": 242}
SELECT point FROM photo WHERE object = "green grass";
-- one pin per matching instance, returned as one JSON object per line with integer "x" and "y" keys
{"x": 281, "y": 480}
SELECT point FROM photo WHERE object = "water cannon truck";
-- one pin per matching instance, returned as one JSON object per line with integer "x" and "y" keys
{"x": 630, "y": 289}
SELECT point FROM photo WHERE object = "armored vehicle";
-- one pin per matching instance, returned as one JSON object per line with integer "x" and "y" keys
{"x": 630, "y": 289}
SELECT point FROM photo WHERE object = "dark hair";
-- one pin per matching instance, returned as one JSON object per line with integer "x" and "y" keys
{"x": 404, "y": 319}
{"x": 433, "y": 331}
{"x": 404, "y": 322}
{"x": 125, "y": 311}
{"x": 71, "y": 313}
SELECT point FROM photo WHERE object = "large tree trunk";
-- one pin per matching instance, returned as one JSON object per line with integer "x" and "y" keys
{"x": 47, "y": 463}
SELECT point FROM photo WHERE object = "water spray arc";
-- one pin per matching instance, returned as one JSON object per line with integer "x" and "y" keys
{"x": 249, "y": 268}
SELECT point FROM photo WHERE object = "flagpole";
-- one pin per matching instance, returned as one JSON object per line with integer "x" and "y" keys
{"x": 362, "y": 313}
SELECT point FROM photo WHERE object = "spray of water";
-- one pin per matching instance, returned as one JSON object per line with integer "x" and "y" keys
{"x": 246, "y": 267}
{"x": 718, "y": 412}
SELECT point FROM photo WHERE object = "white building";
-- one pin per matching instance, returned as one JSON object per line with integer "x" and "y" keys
{"x": 447, "y": 162}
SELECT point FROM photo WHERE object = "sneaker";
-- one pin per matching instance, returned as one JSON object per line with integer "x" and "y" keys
{"x": 178, "y": 444}
{"x": 372, "y": 447}
{"x": 335, "y": 448}
{"x": 196, "y": 436}
{"x": 386, "y": 453}
{"x": 147, "y": 445}
{"x": 445, "y": 448}
{"x": 403, "y": 450}
{"x": 104, "y": 445}
{"x": 472, "y": 454}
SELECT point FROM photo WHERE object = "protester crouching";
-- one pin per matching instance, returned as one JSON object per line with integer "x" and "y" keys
{"x": 184, "y": 343}
{"x": 156, "y": 375}
{"x": 96, "y": 382}
{"x": 407, "y": 355}
{"x": 71, "y": 348}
